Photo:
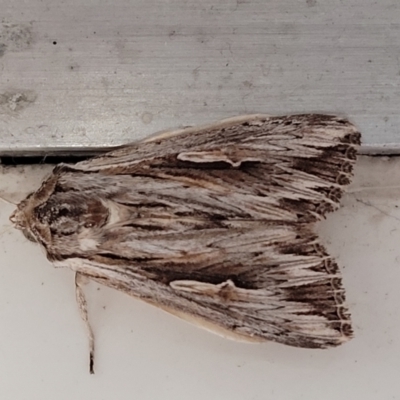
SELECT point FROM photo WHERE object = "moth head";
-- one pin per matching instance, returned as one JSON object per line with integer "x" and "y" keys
{"x": 36, "y": 221}
{"x": 20, "y": 217}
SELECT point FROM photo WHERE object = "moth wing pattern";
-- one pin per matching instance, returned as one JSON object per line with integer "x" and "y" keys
{"x": 214, "y": 224}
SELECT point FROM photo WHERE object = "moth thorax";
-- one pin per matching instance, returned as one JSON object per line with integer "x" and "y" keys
{"x": 70, "y": 217}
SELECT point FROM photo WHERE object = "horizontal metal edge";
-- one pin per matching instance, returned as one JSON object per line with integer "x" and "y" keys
{"x": 64, "y": 152}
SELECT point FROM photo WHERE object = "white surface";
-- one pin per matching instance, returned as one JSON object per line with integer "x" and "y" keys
{"x": 144, "y": 353}
{"x": 79, "y": 74}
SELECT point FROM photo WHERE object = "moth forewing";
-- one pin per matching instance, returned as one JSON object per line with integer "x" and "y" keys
{"x": 214, "y": 224}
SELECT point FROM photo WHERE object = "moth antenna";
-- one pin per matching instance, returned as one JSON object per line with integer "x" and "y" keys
{"x": 6, "y": 229}
{"x": 80, "y": 281}
{"x": 7, "y": 201}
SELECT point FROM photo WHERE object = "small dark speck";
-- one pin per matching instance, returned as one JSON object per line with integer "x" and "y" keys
{"x": 54, "y": 42}
{"x": 98, "y": 288}
{"x": 370, "y": 61}
{"x": 2, "y": 49}
{"x": 247, "y": 84}
{"x": 94, "y": 33}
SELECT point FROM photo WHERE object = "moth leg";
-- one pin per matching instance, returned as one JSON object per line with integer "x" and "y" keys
{"x": 80, "y": 281}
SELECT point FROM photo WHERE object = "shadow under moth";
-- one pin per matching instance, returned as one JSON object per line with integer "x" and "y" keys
{"x": 213, "y": 224}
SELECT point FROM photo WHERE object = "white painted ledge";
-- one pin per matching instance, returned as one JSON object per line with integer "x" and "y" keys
{"x": 144, "y": 353}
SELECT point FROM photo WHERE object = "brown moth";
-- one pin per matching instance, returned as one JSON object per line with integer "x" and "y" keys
{"x": 214, "y": 224}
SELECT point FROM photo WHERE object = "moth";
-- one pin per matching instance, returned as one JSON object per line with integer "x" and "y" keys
{"x": 214, "y": 224}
